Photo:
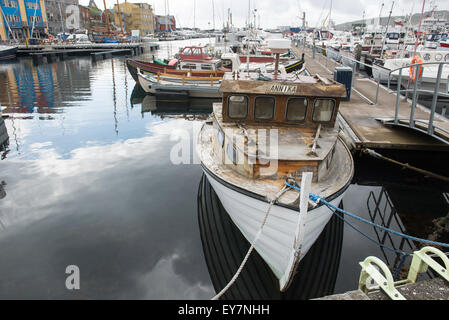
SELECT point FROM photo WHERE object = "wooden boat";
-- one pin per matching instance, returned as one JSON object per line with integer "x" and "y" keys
{"x": 248, "y": 169}
{"x": 153, "y": 67}
{"x": 204, "y": 86}
{"x": 191, "y": 58}
{"x": 7, "y": 52}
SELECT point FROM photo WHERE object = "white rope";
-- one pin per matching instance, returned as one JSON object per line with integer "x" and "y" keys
{"x": 239, "y": 270}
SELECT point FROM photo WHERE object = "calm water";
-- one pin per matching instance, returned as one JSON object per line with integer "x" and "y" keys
{"x": 88, "y": 181}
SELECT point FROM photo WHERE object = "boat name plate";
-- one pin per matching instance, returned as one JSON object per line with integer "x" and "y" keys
{"x": 281, "y": 88}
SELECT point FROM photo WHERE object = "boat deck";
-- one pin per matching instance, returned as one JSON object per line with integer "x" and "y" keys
{"x": 359, "y": 116}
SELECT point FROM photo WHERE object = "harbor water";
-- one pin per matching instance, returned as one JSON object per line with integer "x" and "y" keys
{"x": 87, "y": 179}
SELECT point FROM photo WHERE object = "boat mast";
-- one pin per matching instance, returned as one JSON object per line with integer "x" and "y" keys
{"x": 386, "y": 31}
{"x": 120, "y": 16}
{"x": 375, "y": 30}
{"x": 419, "y": 27}
{"x": 34, "y": 18}
{"x": 60, "y": 13}
{"x": 194, "y": 15}
{"x": 248, "y": 36}
{"x": 213, "y": 14}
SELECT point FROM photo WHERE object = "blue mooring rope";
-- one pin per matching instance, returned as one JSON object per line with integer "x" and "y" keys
{"x": 316, "y": 198}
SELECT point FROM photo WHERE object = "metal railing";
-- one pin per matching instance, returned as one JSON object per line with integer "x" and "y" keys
{"x": 415, "y": 91}
{"x": 353, "y": 63}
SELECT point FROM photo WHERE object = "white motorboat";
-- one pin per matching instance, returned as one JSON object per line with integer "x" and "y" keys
{"x": 7, "y": 52}
{"x": 429, "y": 73}
{"x": 197, "y": 87}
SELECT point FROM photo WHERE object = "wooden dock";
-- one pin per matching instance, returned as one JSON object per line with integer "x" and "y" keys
{"x": 358, "y": 117}
{"x": 96, "y": 51}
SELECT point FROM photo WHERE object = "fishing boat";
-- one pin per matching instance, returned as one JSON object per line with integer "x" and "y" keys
{"x": 7, "y": 52}
{"x": 191, "y": 58}
{"x": 154, "y": 66}
{"x": 264, "y": 133}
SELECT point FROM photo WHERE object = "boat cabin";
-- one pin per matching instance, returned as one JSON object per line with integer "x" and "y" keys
{"x": 303, "y": 111}
{"x": 197, "y": 58}
{"x": 307, "y": 102}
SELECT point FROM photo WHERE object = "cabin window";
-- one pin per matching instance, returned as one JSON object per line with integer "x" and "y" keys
{"x": 187, "y": 51}
{"x": 264, "y": 108}
{"x": 238, "y": 107}
{"x": 189, "y": 66}
{"x": 227, "y": 63}
{"x": 297, "y": 109}
{"x": 323, "y": 110}
{"x": 206, "y": 67}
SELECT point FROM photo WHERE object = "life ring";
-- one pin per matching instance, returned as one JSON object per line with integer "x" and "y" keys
{"x": 416, "y": 59}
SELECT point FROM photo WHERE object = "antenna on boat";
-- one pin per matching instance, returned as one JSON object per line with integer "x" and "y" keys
{"x": 386, "y": 30}
{"x": 34, "y": 18}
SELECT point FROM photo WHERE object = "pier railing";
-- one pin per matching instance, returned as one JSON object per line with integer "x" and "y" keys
{"x": 355, "y": 64}
{"x": 417, "y": 69}
{"x": 424, "y": 126}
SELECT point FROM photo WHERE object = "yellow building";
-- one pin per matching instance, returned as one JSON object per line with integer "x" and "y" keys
{"x": 135, "y": 16}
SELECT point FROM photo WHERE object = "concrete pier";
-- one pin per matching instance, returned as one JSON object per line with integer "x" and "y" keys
{"x": 434, "y": 289}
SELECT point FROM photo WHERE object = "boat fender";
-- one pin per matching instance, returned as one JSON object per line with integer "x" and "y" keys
{"x": 416, "y": 59}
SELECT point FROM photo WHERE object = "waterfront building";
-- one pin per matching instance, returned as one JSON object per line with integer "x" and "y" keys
{"x": 93, "y": 19}
{"x": 165, "y": 23}
{"x": 134, "y": 16}
{"x": 22, "y": 19}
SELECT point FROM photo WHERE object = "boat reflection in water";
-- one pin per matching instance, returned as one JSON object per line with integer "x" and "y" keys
{"x": 419, "y": 208}
{"x": 407, "y": 202}
{"x": 225, "y": 247}
{"x": 4, "y": 138}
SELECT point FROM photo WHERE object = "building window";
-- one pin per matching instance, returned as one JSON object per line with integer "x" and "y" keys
{"x": 296, "y": 109}
{"x": 238, "y": 107}
{"x": 264, "y": 108}
{"x": 9, "y": 3}
{"x": 323, "y": 110}
{"x": 189, "y": 66}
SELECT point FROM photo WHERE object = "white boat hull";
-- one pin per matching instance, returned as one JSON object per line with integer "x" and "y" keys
{"x": 277, "y": 240}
